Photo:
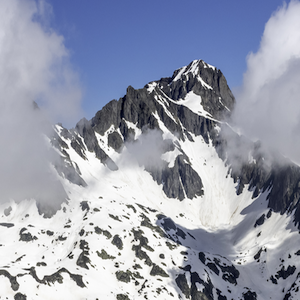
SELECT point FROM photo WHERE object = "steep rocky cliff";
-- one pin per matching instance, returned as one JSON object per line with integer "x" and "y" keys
{"x": 164, "y": 200}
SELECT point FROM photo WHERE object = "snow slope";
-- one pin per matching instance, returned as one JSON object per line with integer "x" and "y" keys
{"x": 120, "y": 235}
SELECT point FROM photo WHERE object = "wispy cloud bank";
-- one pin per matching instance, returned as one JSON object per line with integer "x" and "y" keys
{"x": 268, "y": 103}
{"x": 34, "y": 66}
{"x": 34, "y": 63}
{"x": 148, "y": 149}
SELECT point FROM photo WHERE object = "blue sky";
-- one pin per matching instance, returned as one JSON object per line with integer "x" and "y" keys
{"x": 117, "y": 43}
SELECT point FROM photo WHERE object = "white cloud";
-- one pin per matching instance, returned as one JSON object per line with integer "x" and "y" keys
{"x": 34, "y": 61}
{"x": 268, "y": 104}
{"x": 148, "y": 149}
{"x": 34, "y": 66}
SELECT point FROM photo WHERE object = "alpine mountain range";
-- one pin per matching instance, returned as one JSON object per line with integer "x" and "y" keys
{"x": 163, "y": 199}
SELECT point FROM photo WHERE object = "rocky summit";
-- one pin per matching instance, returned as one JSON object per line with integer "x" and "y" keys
{"x": 163, "y": 200}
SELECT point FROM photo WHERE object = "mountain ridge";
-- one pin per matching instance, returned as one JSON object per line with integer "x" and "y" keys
{"x": 159, "y": 205}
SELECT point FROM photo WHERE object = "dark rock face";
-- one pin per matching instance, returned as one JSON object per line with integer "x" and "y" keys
{"x": 181, "y": 180}
{"x": 260, "y": 220}
{"x": 117, "y": 242}
{"x": 158, "y": 271}
{"x": 183, "y": 285}
{"x": 56, "y": 277}
{"x": 79, "y": 147}
{"x": 105, "y": 255}
{"x": 13, "y": 279}
{"x": 19, "y": 296}
{"x": 257, "y": 255}
{"x": 83, "y": 258}
{"x": 65, "y": 168}
{"x": 115, "y": 141}
{"x": 152, "y": 110}
{"x": 250, "y": 295}
{"x": 122, "y": 297}
{"x": 267, "y": 172}
{"x": 210, "y": 97}
{"x": 26, "y": 236}
{"x": 142, "y": 108}
{"x": 123, "y": 276}
{"x": 285, "y": 273}
{"x": 85, "y": 129}
{"x": 148, "y": 108}
{"x": 8, "y": 225}
{"x": 84, "y": 206}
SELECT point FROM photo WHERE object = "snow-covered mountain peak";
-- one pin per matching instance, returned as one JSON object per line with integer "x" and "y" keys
{"x": 199, "y": 86}
{"x": 158, "y": 206}
{"x": 192, "y": 69}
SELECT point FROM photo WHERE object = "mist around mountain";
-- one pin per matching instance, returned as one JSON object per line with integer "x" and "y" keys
{"x": 163, "y": 200}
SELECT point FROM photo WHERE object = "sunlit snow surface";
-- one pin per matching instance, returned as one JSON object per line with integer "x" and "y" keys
{"x": 77, "y": 254}
{"x": 221, "y": 225}
{"x": 193, "y": 102}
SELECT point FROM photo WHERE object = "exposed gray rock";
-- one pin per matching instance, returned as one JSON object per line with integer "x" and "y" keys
{"x": 122, "y": 297}
{"x": 158, "y": 271}
{"x": 117, "y": 242}
{"x": 104, "y": 232}
{"x": 210, "y": 98}
{"x": 124, "y": 276}
{"x": 26, "y": 236}
{"x": 202, "y": 257}
{"x": 285, "y": 273}
{"x": 84, "y": 206}
{"x": 56, "y": 277}
{"x": 142, "y": 255}
{"x": 257, "y": 255}
{"x": 213, "y": 267}
{"x": 116, "y": 218}
{"x": 115, "y": 141}
{"x": 138, "y": 236}
{"x": 20, "y": 296}
{"x": 105, "y": 255}
{"x": 7, "y": 211}
{"x": 183, "y": 285}
{"x": 83, "y": 259}
{"x": 260, "y": 220}
{"x": 107, "y": 116}
{"x": 13, "y": 279}
{"x": 181, "y": 180}
{"x": 250, "y": 295}
{"x": 85, "y": 129}
{"x": 168, "y": 224}
{"x": 268, "y": 172}
{"x": 65, "y": 168}
{"x": 8, "y": 225}
{"x": 138, "y": 107}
